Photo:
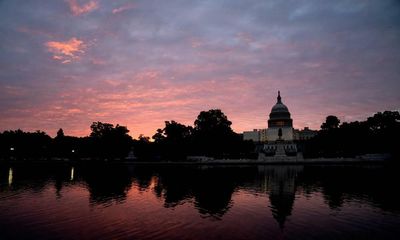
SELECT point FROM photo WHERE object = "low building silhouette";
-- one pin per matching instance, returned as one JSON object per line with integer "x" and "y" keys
{"x": 304, "y": 134}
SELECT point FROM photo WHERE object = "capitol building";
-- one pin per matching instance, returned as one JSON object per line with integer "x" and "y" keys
{"x": 280, "y": 121}
{"x": 280, "y": 125}
{"x": 279, "y": 139}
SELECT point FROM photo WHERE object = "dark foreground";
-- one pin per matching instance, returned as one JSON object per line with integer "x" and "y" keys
{"x": 199, "y": 202}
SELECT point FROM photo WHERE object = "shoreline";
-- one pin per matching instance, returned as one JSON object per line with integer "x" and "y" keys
{"x": 279, "y": 161}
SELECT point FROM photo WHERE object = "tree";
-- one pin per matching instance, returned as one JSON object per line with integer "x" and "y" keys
{"x": 213, "y": 120}
{"x": 159, "y": 136}
{"x": 176, "y": 132}
{"x": 25, "y": 144}
{"x": 375, "y": 135}
{"x": 64, "y": 145}
{"x": 60, "y": 133}
{"x": 110, "y": 141}
{"x": 384, "y": 129}
{"x": 143, "y": 138}
{"x": 331, "y": 122}
{"x": 386, "y": 120}
{"x": 100, "y": 129}
{"x": 213, "y": 134}
{"x": 173, "y": 141}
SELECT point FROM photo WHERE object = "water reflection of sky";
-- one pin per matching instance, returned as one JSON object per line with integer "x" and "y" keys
{"x": 198, "y": 202}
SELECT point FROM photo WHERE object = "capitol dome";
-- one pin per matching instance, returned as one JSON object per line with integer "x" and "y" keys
{"x": 279, "y": 107}
{"x": 280, "y": 115}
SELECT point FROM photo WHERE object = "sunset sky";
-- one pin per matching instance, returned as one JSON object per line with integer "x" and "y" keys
{"x": 139, "y": 63}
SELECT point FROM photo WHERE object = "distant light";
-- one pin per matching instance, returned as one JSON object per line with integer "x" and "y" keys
{"x": 11, "y": 149}
{"x": 73, "y": 150}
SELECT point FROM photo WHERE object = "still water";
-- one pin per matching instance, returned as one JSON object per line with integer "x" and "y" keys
{"x": 199, "y": 202}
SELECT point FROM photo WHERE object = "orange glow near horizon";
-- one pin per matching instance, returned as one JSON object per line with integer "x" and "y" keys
{"x": 144, "y": 109}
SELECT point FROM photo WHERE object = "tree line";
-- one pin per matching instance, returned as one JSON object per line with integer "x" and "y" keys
{"x": 211, "y": 135}
{"x": 378, "y": 134}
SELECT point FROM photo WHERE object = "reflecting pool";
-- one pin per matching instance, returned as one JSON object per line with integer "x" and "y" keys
{"x": 198, "y": 202}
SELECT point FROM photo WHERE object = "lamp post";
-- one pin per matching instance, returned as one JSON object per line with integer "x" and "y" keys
{"x": 12, "y": 153}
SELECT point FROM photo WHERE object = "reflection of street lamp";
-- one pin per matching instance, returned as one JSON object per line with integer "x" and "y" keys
{"x": 72, "y": 174}
{"x": 10, "y": 176}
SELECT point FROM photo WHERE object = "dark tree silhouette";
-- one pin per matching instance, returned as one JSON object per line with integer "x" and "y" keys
{"x": 211, "y": 135}
{"x": 143, "y": 138}
{"x": 60, "y": 133}
{"x": 159, "y": 136}
{"x": 384, "y": 121}
{"x": 214, "y": 136}
{"x": 376, "y": 135}
{"x": 25, "y": 145}
{"x": 67, "y": 146}
{"x": 330, "y": 123}
{"x": 145, "y": 149}
{"x": 109, "y": 141}
{"x": 213, "y": 121}
{"x": 174, "y": 140}
{"x": 100, "y": 129}
{"x": 176, "y": 132}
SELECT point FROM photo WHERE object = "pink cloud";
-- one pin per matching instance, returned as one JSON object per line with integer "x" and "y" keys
{"x": 77, "y": 9}
{"x": 66, "y": 51}
{"x": 123, "y": 8}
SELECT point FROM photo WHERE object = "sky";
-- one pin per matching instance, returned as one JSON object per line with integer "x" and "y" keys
{"x": 68, "y": 63}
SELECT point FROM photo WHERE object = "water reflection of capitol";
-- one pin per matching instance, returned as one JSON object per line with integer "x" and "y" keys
{"x": 213, "y": 190}
{"x": 280, "y": 184}
{"x": 212, "y": 194}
